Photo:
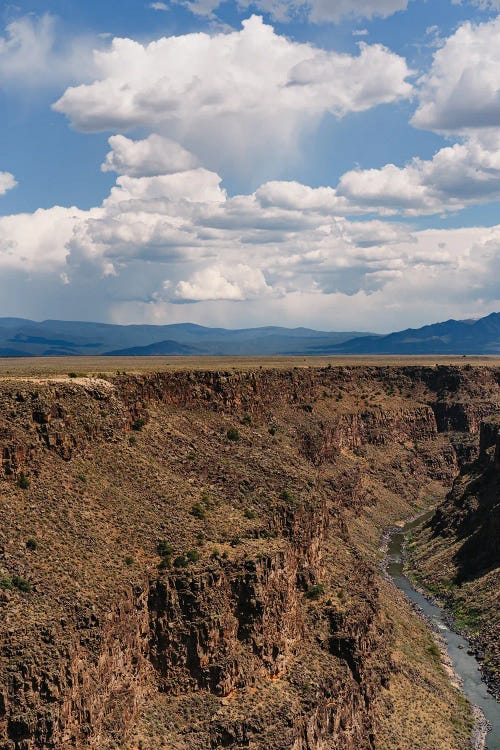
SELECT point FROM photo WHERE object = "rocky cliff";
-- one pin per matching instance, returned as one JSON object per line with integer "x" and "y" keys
{"x": 458, "y": 554}
{"x": 187, "y": 559}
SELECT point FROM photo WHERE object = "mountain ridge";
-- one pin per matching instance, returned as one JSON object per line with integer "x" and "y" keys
{"x": 27, "y": 338}
{"x": 480, "y": 336}
{"x": 20, "y": 337}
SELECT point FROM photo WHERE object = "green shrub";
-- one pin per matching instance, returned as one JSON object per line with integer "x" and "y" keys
{"x": 249, "y": 513}
{"x": 181, "y": 562}
{"x": 434, "y": 651}
{"x": 198, "y": 511}
{"x": 23, "y": 482}
{"x": 72, "y": 374}
{"x": 207, "y": 500}
{"x": 138, "y": 424}
{"x": 5, "y": 583}
{"x": 273, "y": 430}
{"x": 465, "y": 617}
{"x": 164, "y": 549}
{"x": 268, "y": 534}
{"x": 129, "y": 560}
{"x": 193, "y": 555}
{"x": 314, "y": 592}
{"x": 132, "y": 440}
{"x": 21, "y": 584}
{"x": 233, "y": 434}
{"x": 32, "y": 544}
{"x": 246, "y": 419}
{"x": 287, "y": 496}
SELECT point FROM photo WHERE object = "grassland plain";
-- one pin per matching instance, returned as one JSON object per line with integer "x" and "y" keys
{"x": 61, "y": 366}
{"x": 189, "y": 555}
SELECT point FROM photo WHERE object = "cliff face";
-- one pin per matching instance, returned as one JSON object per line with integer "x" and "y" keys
{"x": 459, "y": 551}
{"x": 177, "y": 567}
{"x": 472, "y": 510}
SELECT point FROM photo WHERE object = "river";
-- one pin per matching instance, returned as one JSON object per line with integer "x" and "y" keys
{"x": 465, "y": 664}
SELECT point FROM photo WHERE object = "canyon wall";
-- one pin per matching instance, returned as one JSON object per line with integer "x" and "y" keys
{"x": 458, "y": 552}
{"x": 176, "y": 563}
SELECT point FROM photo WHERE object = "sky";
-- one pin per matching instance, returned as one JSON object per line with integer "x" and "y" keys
{"x": 325, "y": 163}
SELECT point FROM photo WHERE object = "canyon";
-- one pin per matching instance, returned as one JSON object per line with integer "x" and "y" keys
{"x": 456, "y": 554}
{"x": 190, "y": 559}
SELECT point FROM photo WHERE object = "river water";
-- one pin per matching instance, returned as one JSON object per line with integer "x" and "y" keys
{"x": 466, "y": 665}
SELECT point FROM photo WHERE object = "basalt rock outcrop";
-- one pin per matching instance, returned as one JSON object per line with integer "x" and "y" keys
{"x": 459, "y": 550}
{"x": 177, "y": 563}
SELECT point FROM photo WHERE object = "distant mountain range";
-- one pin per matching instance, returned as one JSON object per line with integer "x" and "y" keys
{"x": 451, "y": 337}
{"x": 27, "y": 338}
{"x": 51, "y": 338}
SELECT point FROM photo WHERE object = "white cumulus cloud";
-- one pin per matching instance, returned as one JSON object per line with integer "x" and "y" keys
{"x": 151, "y": 156}
{"x": 238, "y": 282}
{"x": 37, "y": 242}
{"x": 459, "y": 95}
{"x": 7, "y": 182}
{"x": 461, "y": 91}
{"x": 232, "y": 98}
{"x": 458, "y": 176}
{"x": 177, "y": 247}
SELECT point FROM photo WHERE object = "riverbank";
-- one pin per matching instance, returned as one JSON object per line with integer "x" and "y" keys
{"x": 393, "y": 547}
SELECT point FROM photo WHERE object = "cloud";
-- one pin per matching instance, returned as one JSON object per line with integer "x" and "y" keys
{"x": 34, "y": 55}
{"x": 192, "y": 186}
{"x": 158, "y": 6}
{"x": 7, "y": 182}
{"x": 482, "y": 4}
{"x": 239, "y": 282}
{"x": 151, "y": 156}
{"x": 459, "y": 95}
{"x": 461, "y": 91}
{"x": 236, "y": 99}
{"x": 169, "y": 242}
{"x": 37, "y": 242}
{"x": 461, "y": 175}
{"x": 282, "y": 254}
{"x": 293, "y": 196}
{"x": 316, "y": 11}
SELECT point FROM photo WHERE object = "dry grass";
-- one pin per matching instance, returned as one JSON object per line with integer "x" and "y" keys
{"x": 420, "y": 690}
{"x": 46, "y": 366}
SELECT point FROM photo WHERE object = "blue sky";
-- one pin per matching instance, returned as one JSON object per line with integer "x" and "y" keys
{"x": 311, "y": 165}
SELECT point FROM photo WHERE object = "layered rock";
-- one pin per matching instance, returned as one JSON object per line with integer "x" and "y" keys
{"x": 267, "y": 615}
{"x": 459, "y": 553}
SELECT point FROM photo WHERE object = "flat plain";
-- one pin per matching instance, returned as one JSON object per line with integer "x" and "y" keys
{"x": 89, "y": 366}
